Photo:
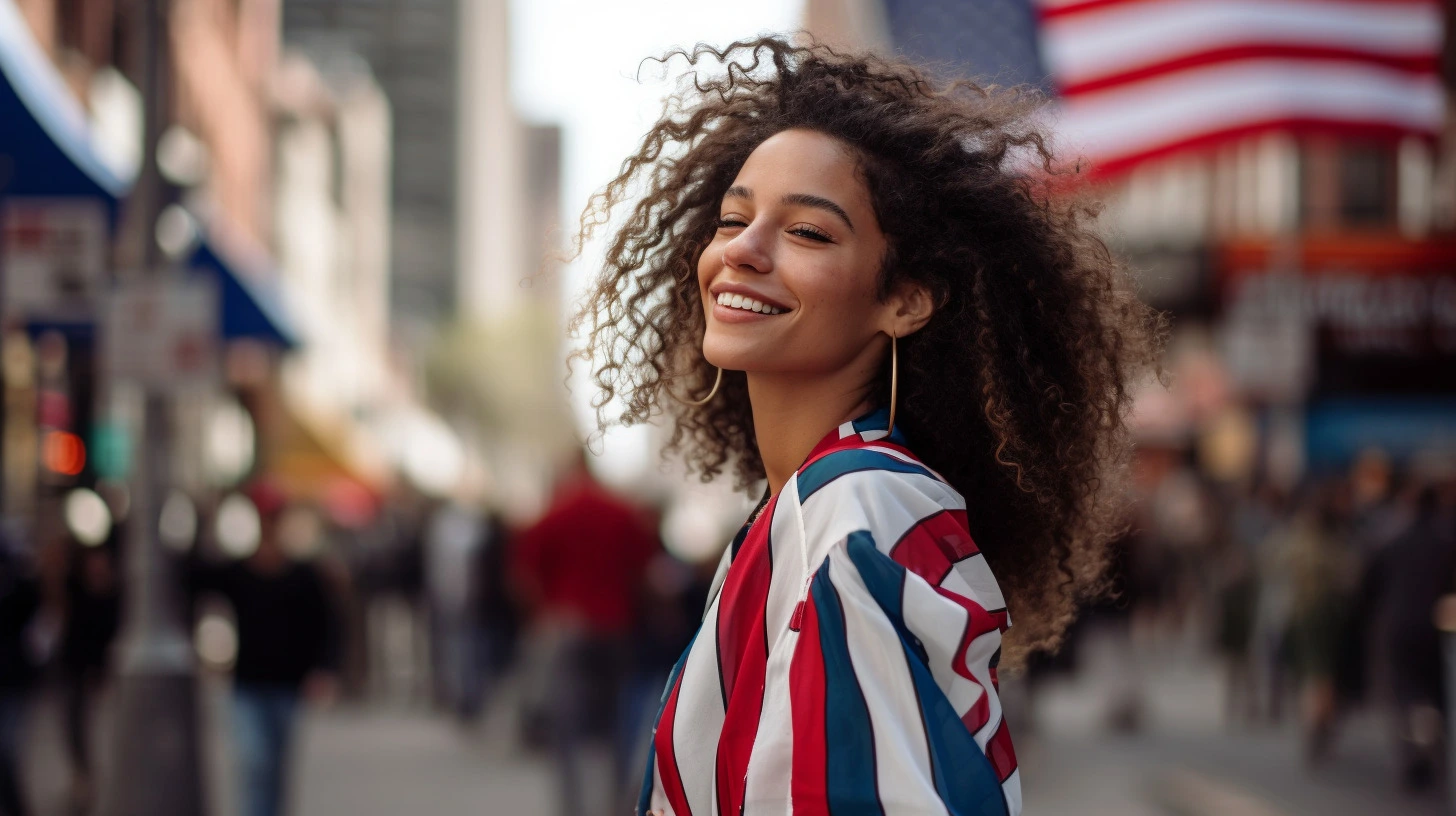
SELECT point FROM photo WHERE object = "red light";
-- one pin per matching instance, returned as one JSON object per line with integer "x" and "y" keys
{"x": 64, "y": 453}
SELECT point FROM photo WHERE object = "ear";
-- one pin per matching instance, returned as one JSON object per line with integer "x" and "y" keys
{"x": 910, "y": 307}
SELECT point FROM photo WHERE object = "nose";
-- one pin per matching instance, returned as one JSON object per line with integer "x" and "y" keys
{"x": 746, "y": 252}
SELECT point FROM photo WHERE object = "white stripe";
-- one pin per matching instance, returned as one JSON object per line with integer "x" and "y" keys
{"x": 770, "y": 764}
{"x": 1012, "y": 788}
{"x": 659, "y": 801}
{"x": 902, "y": 757}
{"x": 699, "y": 712}
{"x": 940, "y": 623}
{"x": 978, "y": 661}
{"x": 719, "y": 576}
{"x": 1184, "y": 105}
{"x": 887, "y": 504}
{"x": 976, "y": 582}
{"x": 1117, "y": 38}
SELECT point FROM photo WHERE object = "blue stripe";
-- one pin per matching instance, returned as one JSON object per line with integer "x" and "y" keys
{"x": 964, "y": 777}
{"x": 851, "y": 460}
{"x": 852, "y": 786}
{"x": 644, "y": 800}
{"x": 878, "y": 420}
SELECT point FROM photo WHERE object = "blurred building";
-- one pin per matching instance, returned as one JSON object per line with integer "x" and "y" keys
{"x": 413, "y": 49}
{"x": 475, "y": 199}
{"x": 1301, "y": 239}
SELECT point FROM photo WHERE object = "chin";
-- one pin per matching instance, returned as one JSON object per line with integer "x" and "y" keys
{"x": 731, "y": 356}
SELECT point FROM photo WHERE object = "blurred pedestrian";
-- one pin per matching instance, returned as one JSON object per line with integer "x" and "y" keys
{"x": 287, "y": 652}
{"x": 838, "y": 265}
{"x": 497, "y": 618}
{"x": 19, "y": 604}
{"x": 1324, "y": 574}
{"x": 1404, "y": 582}
{"x": 454, "y": 545}
{"x": 578, "y": 572}
{"x": 91, "y": 617}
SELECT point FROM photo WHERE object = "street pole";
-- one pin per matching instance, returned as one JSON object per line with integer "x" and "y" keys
{"x": 156, "y": 767}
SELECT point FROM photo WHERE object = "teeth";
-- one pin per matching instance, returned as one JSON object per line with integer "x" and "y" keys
{"x": 747, "y": 303}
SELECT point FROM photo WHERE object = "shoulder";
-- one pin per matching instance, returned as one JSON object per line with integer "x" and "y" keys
{"x": 876, "y": 474}
{"x": 883, "y": 491}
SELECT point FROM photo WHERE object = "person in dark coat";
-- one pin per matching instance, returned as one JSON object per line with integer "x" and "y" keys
{"x": 19, "y": 603}
{"x": 92, "y": 617}
{"x": 1404, "y": 583}
{"x": 287, "y": 652}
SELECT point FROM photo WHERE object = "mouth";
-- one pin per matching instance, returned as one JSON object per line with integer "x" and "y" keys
{"x": 735, "y": 302}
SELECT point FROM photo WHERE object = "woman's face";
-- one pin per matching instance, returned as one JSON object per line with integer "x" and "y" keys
{"x": 790, "y": 280}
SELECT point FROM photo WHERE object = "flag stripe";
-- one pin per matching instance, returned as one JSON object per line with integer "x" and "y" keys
{"x": 850, "y": 777}
{"x": 1120, "y": 127}
{"x": 1140, "y": 79}
{"x": 1416, "y": 65}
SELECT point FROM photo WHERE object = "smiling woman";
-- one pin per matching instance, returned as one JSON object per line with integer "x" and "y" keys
{"x": 924, "y": 354}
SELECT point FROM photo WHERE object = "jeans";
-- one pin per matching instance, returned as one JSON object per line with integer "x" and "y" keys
{"x": 263, "y": 725}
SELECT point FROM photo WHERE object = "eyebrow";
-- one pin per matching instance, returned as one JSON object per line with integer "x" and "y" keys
{"x": 802, "y": 199}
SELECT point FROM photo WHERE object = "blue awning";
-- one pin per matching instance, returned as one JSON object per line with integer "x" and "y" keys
{"x": 46, "y": 152}
{"x": 45, "y": 146}
{"x": 249, "y": 309}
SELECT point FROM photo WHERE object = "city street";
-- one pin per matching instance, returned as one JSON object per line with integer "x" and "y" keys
{"x": 367, "y": 762}
{"x": 393, "y": 758}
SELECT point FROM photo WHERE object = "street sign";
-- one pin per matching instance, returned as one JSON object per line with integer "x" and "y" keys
{"x": 162, "y": 331}
{"x": 52, "y": 258}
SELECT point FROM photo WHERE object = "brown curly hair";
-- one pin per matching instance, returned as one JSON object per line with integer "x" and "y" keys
{"x": 1015, "y": 390}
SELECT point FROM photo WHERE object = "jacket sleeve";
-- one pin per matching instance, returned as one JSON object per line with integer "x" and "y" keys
{"x": 894, "y": 682}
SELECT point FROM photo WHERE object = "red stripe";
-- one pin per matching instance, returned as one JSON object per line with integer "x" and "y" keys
{"x": 743, "y": 656}
{"x": 1414, "y": 64}
{"x": 1045, "y": 12}
{"x": 1113, "y": 166}
{"x": 672, "y": 785}
{"x": 978, "y": 622}
{"x": 810, "y": 783}
{"x": 1001, "y": 753}
{"x": 932, "y": 547}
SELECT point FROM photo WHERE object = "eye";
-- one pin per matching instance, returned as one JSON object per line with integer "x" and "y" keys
{"x": 731, "y": 222}
{"x": 811, "y": 232}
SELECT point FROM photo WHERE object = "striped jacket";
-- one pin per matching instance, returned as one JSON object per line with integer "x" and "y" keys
{"x": 847, "y": 660}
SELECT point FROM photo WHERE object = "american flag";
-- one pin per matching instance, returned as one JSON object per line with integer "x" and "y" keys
{"x": 1139, "y": 79}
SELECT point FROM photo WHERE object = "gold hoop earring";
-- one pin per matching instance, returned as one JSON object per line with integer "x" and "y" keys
{"x": 894, "y": 382}
{"x": 717, "y": 382}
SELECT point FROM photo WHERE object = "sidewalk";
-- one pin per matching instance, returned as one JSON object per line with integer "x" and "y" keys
{"x": 388, "y": 759}
{"x": 1186, "y": 760}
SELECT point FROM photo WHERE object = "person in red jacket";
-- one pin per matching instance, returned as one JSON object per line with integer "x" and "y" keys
{"x": 577, "y": 572}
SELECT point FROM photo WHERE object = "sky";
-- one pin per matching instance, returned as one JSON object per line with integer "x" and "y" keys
{"x": 575, "y": 63}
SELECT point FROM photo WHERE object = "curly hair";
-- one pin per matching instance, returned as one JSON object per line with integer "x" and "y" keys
{"x": 1015, "y": 391}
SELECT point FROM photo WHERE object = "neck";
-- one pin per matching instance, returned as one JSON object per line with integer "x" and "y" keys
{"x": 791, "y": 413}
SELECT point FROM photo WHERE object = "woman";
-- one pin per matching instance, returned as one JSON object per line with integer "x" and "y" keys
{"x": 836, "y": 262}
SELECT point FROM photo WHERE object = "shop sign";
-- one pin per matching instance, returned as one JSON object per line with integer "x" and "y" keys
{"x": 52, "y": 258}
{"x": 163, "y": 331}
{"x": 1378, "y": 314}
